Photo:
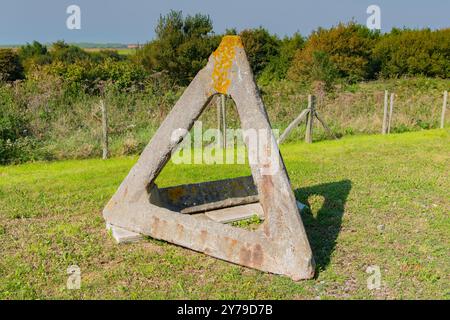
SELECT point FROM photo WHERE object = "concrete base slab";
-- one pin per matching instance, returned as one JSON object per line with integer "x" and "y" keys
{"x": 225, "y": 215}
{"x": 237, "y": 213}
{"x": 122, "y": 235}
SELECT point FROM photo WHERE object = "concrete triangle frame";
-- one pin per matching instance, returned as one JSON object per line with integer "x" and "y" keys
{"x": 281, "y": 246}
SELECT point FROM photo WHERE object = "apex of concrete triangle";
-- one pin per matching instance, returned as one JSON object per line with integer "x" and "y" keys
{"x": 223, "y": 60}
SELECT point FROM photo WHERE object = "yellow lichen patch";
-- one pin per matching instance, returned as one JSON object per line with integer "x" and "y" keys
{"x": 223, "y": 60}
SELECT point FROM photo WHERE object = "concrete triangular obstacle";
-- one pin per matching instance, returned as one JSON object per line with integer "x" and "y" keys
{"x": 184, "y": 215}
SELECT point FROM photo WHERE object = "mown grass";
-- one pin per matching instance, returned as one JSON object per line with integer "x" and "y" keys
{"x": 50, "y": 218}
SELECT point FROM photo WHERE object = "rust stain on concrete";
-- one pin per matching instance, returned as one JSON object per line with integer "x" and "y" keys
{"x": 203, "y": 235}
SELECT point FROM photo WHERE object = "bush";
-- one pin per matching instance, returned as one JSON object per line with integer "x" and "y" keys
{"x": 13, "y": 128}
{"x": 414, "y": 52}
{"x": 349, "y": 47}
{"x": 62, "y": 52}
{"x": 322, "y": 70}
{"x": 18, "y": 151}
{"x": 102, "y": 55}
{"x": 10, "y": 67}
{"x": 32, "y": 55}
{"x": 123, "y": 75}
{"x": 278, "y": 66}
{"x": 91, "y": 77}
{"x": 182, "y": 47}
{"x": 260, "y": 47}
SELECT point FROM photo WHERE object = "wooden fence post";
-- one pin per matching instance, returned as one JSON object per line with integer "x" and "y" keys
{"x": 105, "y": 143}
{"x": 385, "y": 112}
{"x": 391, "y": 110}
{"x": 444, "y": 107}
{"x": 310, "y": 112}
{"x": 293, "y": 125}
{"x": 327, "y": 129}
{"x": 310, "y": 119}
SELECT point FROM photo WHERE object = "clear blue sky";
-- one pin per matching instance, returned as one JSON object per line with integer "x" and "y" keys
{"x": 133, "y": 21}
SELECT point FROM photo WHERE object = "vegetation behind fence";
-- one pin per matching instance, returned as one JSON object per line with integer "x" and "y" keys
{"x": 42, "y": 124}
{"x": 50, "y": 95}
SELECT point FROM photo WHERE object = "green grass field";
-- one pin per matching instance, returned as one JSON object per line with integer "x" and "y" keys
{"x": 50, "y": 218}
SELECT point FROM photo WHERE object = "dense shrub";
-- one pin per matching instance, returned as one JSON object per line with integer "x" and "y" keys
{"x": 34, "y": 54}
{"x": 91, "y": 77}
{"x": 102, "y": 55}
{"x": 414, "y": 52}
{"x": 13, "y": 127}
{"x": 278, "y": 66}
{"x": 124, "y": 75}
{"x": 65, "y": 53}
{"x": 182, "y": 46}
{"x": 322, "y": 70}
{"x": 349, "y": 47}
{"x": 32, "y": 49}
{"x": 10, "y": 67}
{"x": 260, "y": 47}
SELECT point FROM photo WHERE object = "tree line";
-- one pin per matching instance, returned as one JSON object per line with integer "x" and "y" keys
{"x": 346, "y": 52}
{"x": 47, "y": 92}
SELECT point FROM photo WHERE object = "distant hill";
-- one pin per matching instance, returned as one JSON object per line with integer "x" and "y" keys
{"x": 84, "y": 45}
{"x": 12, "y": 46}
{"x": 88, "y": 45}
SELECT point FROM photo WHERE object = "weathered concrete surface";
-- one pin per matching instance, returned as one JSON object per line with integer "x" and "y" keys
{"x": 281, "y": 246}
{"x": 224, "y": 204}
{"x": 201, "y": 197}
{"x": 236, "y": 213}
{"x": 123, "y": 236}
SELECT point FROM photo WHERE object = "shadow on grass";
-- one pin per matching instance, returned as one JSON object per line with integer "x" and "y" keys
{"x": 323, "y": 229}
